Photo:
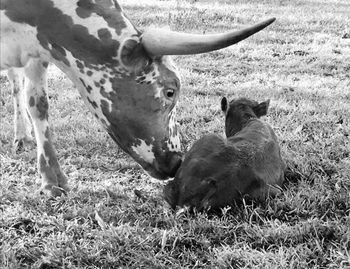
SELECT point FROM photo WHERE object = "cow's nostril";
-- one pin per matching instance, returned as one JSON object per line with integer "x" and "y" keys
{"x": 167, "y": 167}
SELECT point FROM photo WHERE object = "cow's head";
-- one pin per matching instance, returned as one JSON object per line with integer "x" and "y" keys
{"x": 141, "y": 117}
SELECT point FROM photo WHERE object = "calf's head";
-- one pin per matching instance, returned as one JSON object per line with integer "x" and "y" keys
{"x": 239, "y": 111}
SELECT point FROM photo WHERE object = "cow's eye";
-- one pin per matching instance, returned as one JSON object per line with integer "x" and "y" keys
{"x": 169, "y": 93}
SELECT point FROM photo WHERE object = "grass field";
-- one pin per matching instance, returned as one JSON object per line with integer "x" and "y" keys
{"x": 115, "y": 216}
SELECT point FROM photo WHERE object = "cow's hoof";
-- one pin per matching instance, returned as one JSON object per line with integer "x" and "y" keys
{"x": 65, "y": 187}
{"x": 19, "y": 144}
{"x": 62, "y": 180}
{"x": 53, "y": 191}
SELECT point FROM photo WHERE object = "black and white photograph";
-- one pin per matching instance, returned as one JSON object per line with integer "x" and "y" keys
{"x": 174, "y": 134}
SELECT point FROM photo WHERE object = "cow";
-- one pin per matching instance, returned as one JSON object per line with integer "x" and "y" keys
{"x": 125, "y": 76}
{"x": 218, "y": 172}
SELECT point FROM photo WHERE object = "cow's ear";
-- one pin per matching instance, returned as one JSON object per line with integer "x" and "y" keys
{"x": 224, "y": 105}
{"x": 261, "y": 109}
{"x": 133, "y": 55}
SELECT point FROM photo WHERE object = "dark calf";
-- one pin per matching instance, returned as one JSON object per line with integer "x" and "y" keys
{"x": 217, "y": 172}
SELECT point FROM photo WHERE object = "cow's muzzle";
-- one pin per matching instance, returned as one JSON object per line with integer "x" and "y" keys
{"x": 165, "y": 168}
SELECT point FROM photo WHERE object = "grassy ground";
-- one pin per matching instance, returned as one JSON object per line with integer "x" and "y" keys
{"x": 115, "y": 215}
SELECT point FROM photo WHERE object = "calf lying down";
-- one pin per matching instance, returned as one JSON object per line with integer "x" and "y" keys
{"x": 217, "y": 172}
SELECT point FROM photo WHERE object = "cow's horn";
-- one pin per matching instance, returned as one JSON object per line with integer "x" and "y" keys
{"x": 159, "y": 42}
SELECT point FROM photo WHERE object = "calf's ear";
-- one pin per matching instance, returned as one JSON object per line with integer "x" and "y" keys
{"x": 261, "y": 109}
{"x": 224, "y": 104}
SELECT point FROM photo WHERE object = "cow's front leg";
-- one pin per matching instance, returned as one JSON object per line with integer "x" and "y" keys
{"x": 54, "y": 182}
{"x": 23, "y": 127}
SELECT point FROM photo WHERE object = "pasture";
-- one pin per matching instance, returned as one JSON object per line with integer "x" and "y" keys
{"x": 115, "y": 216}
